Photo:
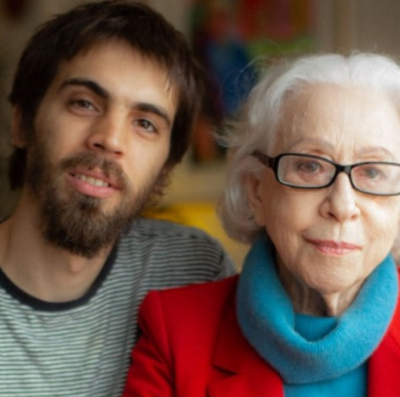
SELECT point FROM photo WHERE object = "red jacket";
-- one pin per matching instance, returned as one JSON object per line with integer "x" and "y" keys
{"x": 192, "y": 347}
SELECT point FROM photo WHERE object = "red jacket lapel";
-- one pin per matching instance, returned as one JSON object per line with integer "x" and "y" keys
{"x": 245, "y": 373}
{"x": 384, "y": 365}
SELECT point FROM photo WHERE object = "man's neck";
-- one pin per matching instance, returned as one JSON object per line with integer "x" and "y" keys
{"x": 39, "y": 268}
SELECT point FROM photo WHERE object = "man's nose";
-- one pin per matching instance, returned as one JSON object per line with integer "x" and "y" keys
{"x": 108, "y": 135}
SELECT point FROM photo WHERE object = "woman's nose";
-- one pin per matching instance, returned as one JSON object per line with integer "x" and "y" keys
{"x": 107, "y": 136}
{"x": 341, "y": 200}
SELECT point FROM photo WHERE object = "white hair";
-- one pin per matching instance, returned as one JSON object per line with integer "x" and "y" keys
{"x": 257, "y": 127}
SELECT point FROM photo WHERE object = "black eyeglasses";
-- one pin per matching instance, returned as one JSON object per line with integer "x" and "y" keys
{"x": 305, "y": 171}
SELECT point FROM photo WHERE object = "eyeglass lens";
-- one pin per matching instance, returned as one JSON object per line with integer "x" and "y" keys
{"x": 314, "y": 172}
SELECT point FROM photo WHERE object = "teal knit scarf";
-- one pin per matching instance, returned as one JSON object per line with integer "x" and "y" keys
{"x": 266, "y": 318}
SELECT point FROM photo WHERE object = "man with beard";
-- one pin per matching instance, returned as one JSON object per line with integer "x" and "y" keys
{"x": 104, "y": 101}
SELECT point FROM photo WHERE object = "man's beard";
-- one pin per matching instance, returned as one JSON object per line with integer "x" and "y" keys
{"x": 76, "y": 222}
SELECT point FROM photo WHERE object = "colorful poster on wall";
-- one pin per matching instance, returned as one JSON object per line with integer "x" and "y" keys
{"x": 230, "y": 36}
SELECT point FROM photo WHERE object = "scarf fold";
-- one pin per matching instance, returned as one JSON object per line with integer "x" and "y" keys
{"x": 267, "y": 320}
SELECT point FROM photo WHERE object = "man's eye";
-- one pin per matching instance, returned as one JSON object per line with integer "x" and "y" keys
{"x": 82, "y": 103}
{"x": 146, "y": 124}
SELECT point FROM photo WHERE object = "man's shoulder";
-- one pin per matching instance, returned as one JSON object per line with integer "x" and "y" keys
{"x": 158, "y": 228}
{"x": 153, "y": 233}
{"x": 185, "y": 254}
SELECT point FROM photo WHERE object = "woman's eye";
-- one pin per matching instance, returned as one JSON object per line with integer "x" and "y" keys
{"x": 372, "y": 173}
{"x": 309, "y": 167}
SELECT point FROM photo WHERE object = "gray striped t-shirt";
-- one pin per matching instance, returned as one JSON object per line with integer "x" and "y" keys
{"x": 82, "y": 348}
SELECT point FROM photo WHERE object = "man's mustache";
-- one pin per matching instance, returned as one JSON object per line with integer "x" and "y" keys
{"x": 110, "y": 168}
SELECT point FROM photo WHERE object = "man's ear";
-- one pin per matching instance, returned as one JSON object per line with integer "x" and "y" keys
{"x": 256, "y": 202}
{"x": 18, "y": 133}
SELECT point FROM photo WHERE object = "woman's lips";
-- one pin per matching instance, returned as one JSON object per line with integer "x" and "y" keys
{"x": 331, "y": 247}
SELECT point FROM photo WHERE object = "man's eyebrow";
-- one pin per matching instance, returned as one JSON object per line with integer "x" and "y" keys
{"x": 102, "y": 92}
{"x": 150, "y": 108}
{"x": 90, "y": 84}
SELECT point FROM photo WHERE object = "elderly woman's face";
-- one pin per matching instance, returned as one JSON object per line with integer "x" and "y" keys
{"x": 331, "y": 239}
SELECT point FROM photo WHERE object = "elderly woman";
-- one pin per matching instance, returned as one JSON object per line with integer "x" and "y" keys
{"x": 313, "y": 185}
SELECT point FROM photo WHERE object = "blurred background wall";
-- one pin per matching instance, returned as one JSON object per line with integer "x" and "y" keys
{"x": 221, "y": 32}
